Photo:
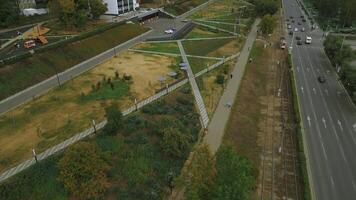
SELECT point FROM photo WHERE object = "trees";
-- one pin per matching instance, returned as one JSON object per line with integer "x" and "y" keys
{"x": 115, "y": 120}
{"x": 9, "y": 12}
{"x": 83, "y": 171}
{"x": 175, "y": 143}
{"x": 75, "y": 13}
{"x": 200, "y": 173}
{"x": 234, "y": 178}
{"x": 267, "y": 24}
{"x": 264, "y": 7}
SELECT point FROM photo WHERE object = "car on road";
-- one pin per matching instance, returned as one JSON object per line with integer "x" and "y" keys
{"x": 295, "y": 29}
{"x": 291, "y": 17}
{"x": 308, "y": 40}
{"x": 289, "y": 26}
{"x": 298, "y": 38}
{"x": 299, "y": 42}
{"x": 303, "y": 29}
{"x": 293, "y": 21}
{"x": 302, "y": 16}
{"x": 321, "y": 79}
{"x": 290, "y": 32}
{"x": 299, "y": 23}
{"x": 303, "y": 20}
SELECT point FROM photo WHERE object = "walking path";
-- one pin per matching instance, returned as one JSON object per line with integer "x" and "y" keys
{"x": 195, "y": 88}
{"x": 217, "y": 22}
{"x": 220, "y": 118}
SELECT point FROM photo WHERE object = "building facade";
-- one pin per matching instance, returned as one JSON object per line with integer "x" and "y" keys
{"x": 23, "y": 4}
{"x": 117, "y": 7}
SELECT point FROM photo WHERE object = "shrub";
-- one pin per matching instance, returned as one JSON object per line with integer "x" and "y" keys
{"x": 115, "y": 121}
{"x": 83, "y": 171}
{"x": 220, "y": 79}
{"x": 175, "y": 143}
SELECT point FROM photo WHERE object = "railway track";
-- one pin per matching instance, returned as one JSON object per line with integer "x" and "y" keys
{"x": 279, "y": 168}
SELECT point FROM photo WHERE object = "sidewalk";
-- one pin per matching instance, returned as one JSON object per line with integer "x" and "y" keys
{"x": 220, "y": 118}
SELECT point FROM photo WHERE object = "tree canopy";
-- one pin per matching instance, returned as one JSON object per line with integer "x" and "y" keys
{"x": 267, "y": 24}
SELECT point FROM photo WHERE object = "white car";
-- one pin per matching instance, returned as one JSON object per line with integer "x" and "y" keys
{"x": 289, "y": 27}
{"x": 169, "y": 31}
{"x": 308, "y": 40}
{"x": 295, "y": 29}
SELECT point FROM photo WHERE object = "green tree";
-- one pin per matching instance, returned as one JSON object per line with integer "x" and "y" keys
{"x": 114, "y": 120}
{"x": 198, "y": 175}
{"x": 267, "y": 24}
{"x": 9, "y": 12}
{"x": 97, "y": 8}
{"x": 220, "y": 79}
{"x": 83, "y": 171}
{"x": 234, "y": 178}
{"x": 264, "y": 7}
{"x": 175, "y": 143}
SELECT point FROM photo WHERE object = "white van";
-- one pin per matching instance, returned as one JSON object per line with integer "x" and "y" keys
{"x": 308, "y": 40}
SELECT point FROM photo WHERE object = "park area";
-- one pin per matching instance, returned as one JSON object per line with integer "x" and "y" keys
{"x": 69, "y": 109}
{"x": 140, "y": 160}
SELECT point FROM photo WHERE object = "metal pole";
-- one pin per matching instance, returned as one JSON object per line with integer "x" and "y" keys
{"x": 59, "y": 83}
{"x": 136, "y": 104}
{"x": 94, "y": 126}
{"x": 34, "y": 155}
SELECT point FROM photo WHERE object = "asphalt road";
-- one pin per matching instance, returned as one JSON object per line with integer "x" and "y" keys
{"x": 327, "y": 115}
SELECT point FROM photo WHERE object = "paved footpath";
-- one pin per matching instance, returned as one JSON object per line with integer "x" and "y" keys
{"x": 220, "y": 118}
{"x": 195, "y": 88}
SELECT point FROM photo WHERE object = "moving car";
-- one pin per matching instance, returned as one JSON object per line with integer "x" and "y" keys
{"x": 290, "y": 32}
{"x": 29, "y": 44}
{"x": 303, "y": 29}
{"x": 299, "y": 23}
{"x": 308, "y": 40}
{"x": 321, "y": 79}
{"x": 295, "y": 29}
{"x": 299, "y": 42}
{"x": 289, "y": 26}
{"x": 297, "y": 38}
{"x": 303, "y": 20}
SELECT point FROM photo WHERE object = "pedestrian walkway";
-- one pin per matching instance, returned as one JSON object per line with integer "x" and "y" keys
{"x": 195, "y": 88}
{"x": 221, "y": 116}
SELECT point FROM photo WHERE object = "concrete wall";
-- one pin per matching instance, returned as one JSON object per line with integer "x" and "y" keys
{"x": 112, "y": 7}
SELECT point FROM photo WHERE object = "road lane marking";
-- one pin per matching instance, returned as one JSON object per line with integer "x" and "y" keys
{"x": 298, "y": 69}
{"x": 353, "y": 185}
{"x": 332, "y": 181}
{"x": 314, "y": 90}
{"x": 322, "y": 146}
{"x": 327, "y": 92}
{"x": 318, "y": 70}
{"x": 338, "y": 122}
{"x": 302, "y": 89}
{"x": 309, "y": 120}
{"x": 343, "y": 155}
{"x": 324, "y": 122}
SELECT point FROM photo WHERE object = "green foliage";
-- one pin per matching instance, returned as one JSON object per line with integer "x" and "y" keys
{"x": 37, "y": 182}
{"x": 83, "y": 171}
{"x": 9, "y": 12}
{"x": 105, "y": 92}
{"x": 175, "y": 143}
{"x": 199, "y": 177}
{"x": 114, "y": 120}
{"x": 234, "y": 178}
{"x": 75, "y": 13}
{"x": 267, "y": 24}
{"x": 220, "y": 79}
{"x": 339, "y": 54}
{"x": 264, "y": 7}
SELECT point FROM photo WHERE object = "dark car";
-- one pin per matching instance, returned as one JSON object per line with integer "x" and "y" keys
{"x": 293, "y": 21}
{"x": 303, "y": 20}
{"x": 321, "y": 79}
{"x": 299, "y": 42}
{"x": 299, "y": 23}
{"x": 302, "y": 16}
{"x": 287, "y": 20}
{"x": 298, "y": 38}
{"x": 290, "y": 32}
{"x": 291, "y": 17}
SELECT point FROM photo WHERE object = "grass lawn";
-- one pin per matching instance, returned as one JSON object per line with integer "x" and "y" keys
{"x": 73, "y": 106}
{"x": 210, "y": 89}
{"x": 165, "y": 47}
{"x": 195, "y": 47}
{"x": 202, "y": 32}
{"x": 29, "y": 71}
{"x": 243, "y": 128}
{"x": 138, "y": 163}
{"x": 181, "y": 6}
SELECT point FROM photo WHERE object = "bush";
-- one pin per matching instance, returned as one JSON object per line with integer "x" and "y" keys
{"x": 114, "y": 118}
{"x": 83, "y": 171}
{"x": 175, "y": 143}
{"x": 220, "y": 79}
